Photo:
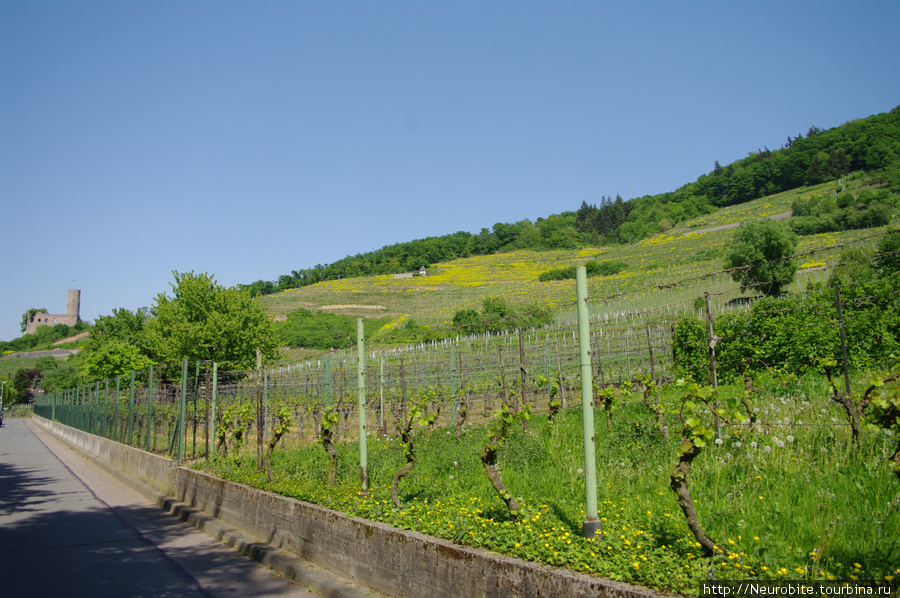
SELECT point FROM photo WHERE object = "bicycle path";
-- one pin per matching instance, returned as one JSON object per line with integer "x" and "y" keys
{"x": 69, "y": 529}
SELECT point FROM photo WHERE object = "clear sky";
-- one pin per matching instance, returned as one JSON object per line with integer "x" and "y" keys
{"x": 251, "y": 138}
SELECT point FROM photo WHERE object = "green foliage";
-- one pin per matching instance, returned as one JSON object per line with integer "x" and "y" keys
{"x": 759, "y": 256}
{"x": 497, "y": 315}
{"x": 43, "y": 337}
{"x": 204, "y": 321}
{"x": 855, "y": 265}
{"x": 113, "y": 357}
{"x": 317, "y": 331}
{"x": 794, "y": 331}
{"x": 888, "y": 258}
{"x": 592, "y": 267}
{"x": 814, "y": 215}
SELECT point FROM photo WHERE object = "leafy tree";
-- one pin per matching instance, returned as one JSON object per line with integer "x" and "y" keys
{"x": 113, "y": 358}
{"x": 206, "y": 321}
{"x": 317, "y": 331}
{"x": 888, "y": 258}
{"x": 759, "y": 256}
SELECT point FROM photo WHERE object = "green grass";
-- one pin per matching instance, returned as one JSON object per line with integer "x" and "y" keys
{"x": 791, "y": 499}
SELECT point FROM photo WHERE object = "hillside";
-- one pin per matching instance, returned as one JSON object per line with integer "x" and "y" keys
{"x": 665, "y": 271}
{"x": 870, "y": 145}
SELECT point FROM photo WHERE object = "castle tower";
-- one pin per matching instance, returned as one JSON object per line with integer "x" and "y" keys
{"x": 73, "y": 304}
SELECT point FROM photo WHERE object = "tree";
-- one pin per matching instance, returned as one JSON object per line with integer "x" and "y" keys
{"x": 206, "y": 321}
{"x": 888, "y": 257}
{"x": 759, "y": 256}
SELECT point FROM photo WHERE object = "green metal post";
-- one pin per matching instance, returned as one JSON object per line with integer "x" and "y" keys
{"x": 196, "y": 393}
{"x": 149, "y": 408}
{"x": 453, "y": 384}
{"x": 181, "y": 409}
{"x": 212, "y": 417}
{"x": 328, "y": 381}
{"x": 381, "y": 397}
{"x": 591, "y": 526}
{"x": 131, "y": 411}
{"x": 106, "y": 408}
{"x": 361, "y": 387}
{"x": 116, "y": 410}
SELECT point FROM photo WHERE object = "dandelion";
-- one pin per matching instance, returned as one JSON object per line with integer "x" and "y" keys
{"x": 790, "y": 438}
{"x": 753, "y": 445}
{"x": 718, "y": 442}
{"x": 737, "y": 444}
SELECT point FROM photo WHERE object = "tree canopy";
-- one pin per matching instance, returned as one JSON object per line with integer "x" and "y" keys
{"x": 206, "y": 321}
{"x": 760, "y": 254}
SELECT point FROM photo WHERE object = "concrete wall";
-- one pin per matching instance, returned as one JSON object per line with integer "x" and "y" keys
{"x": 374, "y": 555}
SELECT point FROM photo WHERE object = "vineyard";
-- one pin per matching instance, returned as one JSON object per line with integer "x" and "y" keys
{"x": 479, "y": 438}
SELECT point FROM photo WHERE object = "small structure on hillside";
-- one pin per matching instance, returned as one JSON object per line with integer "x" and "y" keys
{"x": 70, "y": 318}
{"x": 423, "y": 271}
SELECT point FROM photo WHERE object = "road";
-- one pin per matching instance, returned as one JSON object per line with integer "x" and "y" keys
{"x": 69, "y": 529}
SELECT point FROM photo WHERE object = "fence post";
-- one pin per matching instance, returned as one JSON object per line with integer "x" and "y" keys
{"x": 361, "y": 388}
{"x": 453, "y": 384}
{"x": 131, "y": 411}
{"x": 196, "y": 394}
{"x": 592, "y": 525}
{"x": 149, "y": 407}
{"x": 106, "y": 408}
{"x": 522, "y": 368}
{"x": 327, "y": 381}
{"x": 381, "y": 399}
{"x": 840, "y": 314}
{"x": 713, "y": 339}
{"x": 182, "y": 408}
{"x": 212, "y": 417}
{"x": 259, "y": 411}
{"x": 116, "y": 409}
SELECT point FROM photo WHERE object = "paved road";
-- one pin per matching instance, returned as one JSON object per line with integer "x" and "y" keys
{"x": 69, "y": 529}
{"x": 49, "y": 353}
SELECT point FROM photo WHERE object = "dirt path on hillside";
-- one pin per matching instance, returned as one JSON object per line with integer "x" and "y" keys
{"x": 782, "y": 216}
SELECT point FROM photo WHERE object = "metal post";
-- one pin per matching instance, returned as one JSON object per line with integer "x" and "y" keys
{"x": 361, "y": 387}
{"x": 105, "y": 407}
{"x": 328, "y": 381}
{"x": 212, "y": 417}
{"x": 196, "y": 392}
{"x": 182, "y": 408}
{"x": 381, "y": 398}
{"x": 453, "y": 384}
{"x": 131, "y": 411}
{"x": 259, "y": 411}
{"x": 116, "y": 409}
{"x": 149, "y": 408}
{"x": 592, "y": 525}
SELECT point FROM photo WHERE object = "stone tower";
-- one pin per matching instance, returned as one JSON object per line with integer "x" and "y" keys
{"x": 73, "y": 304}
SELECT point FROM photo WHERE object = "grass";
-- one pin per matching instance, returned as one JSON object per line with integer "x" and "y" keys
{"x": 790, "y": 499}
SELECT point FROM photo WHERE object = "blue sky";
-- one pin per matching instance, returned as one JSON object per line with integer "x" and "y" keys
{"x": 251, "y": 138}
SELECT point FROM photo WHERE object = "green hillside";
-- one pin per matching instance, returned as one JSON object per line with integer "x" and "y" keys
{"x": 869, "y": 146}
{"x": 664, "y": 272}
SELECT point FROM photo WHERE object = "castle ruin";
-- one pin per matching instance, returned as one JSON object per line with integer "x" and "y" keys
{"x": 70, "y": 318}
